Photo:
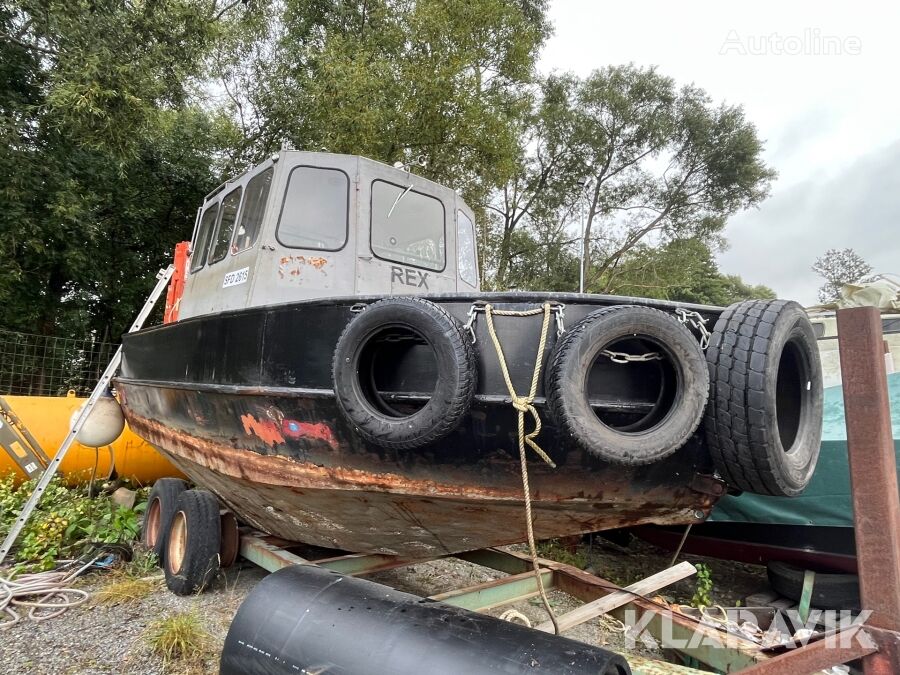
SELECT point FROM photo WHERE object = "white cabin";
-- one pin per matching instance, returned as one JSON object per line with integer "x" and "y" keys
{"x": 306, "y": 225}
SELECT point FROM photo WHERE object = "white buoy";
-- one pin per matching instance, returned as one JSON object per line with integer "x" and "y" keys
{"x": 104, "y": 424}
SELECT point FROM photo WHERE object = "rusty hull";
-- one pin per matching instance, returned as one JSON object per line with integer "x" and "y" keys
{"x": 374, "y": 510}
{"x": 242, "y": 402}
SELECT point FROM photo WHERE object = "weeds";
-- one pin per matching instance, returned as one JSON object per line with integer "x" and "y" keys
{"x": 703, "y": 591}
{"x": 64, "y": 522}
{"x": 180, "y": 637}
{"x": 554, "y": 550}
{"x": 124, "y": 590}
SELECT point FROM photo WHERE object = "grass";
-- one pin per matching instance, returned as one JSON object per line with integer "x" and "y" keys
{"x": 180, "y": 638}
{"x": 125, "y": 590}
{"x": 132, "y": 582}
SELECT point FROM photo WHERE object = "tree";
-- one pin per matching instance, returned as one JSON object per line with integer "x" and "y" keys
{"x": 106, "y": 154}
{"x": 433, "y": 84}
{"x": 650, "y": 161}
{"x": 839, "y": 267}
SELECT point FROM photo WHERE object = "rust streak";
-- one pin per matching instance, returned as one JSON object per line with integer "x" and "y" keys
{"x": 279, "y": 470}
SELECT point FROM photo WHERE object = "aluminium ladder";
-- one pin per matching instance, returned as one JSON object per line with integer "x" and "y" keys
{"x": 19, "y": 444}
{"x": 52, "y": 467}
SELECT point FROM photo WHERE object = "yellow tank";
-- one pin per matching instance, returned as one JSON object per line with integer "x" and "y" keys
{"x": 47, "y": 418}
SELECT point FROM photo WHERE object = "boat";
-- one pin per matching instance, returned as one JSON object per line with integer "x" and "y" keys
{"x": 815, "y": 530}
{"x": 331, "y": 370}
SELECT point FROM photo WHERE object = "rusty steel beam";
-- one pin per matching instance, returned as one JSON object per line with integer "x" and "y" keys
{"x": 847, "y": 645}
{"x": 885, "y": 660}
{"x": 873, "y": 466}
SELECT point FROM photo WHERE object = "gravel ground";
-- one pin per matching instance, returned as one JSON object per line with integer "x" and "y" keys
{"x": 101, "y": 638}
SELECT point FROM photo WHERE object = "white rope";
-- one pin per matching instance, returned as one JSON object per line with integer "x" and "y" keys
{"x": 46, "y": 594}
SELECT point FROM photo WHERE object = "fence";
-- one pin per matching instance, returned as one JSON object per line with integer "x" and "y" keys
{"x": 38, "y": 365}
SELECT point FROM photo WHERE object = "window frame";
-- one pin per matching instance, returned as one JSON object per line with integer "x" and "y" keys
{"x": 240, "y": 217}
{"x": 214, "y": 205}
{"x": 287, "y": 185}
{"x": 212, "y": 242}
{"x": 372, "y": 225}
{"x": 474, "y": 251}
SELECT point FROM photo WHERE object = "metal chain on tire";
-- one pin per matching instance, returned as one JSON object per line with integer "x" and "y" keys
{"x": 696, "y": 320}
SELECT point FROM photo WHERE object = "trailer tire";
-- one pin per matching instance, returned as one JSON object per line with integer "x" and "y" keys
{"x": 668, "y": 425}
{"x": 158, "y": 514}
{"x": 193, "y": 543}
{"x": 764, "y": 421}
{"x": 830, "y": 591}
{"x": 354, "y": 371}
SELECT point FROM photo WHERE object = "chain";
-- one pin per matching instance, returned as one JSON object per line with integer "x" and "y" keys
{"x": 557, "y": 308}
{"x": 622, "y": 357}
{"x": 698, "y": 322}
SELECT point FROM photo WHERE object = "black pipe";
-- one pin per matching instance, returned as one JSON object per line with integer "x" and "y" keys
{"x": 305, "y": 619}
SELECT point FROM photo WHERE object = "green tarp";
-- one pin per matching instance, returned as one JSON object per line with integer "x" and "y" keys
{"x": 826, "y": 502}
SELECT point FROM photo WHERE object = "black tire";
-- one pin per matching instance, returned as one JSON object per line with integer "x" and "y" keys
{"x": 830, "y": 591}
{"x": 764, "y": 421}
{"x": 385, "y": 325}
{"x": 668, "y": 425}
{"x": 160, "y": 507}
{"x": 192, "y": 543}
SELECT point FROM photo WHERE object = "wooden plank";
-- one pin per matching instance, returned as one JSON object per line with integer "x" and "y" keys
{"x": 609, "y": 602}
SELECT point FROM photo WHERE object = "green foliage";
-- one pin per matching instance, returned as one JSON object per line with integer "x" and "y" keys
{"x": 631, "y": 159}
{"x": 703, "y": 590}
{"x": 683, "y": 270}
{"x": 180, "y": 637}
{"x": 552, "y": 549}
{"x": 64, "y": 521}
{"x": 106, "y": 155}
{"x": 839, "y": 267}
{"x": 393, "y": 80}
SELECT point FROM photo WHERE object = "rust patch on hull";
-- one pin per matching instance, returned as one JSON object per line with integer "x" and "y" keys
{"x": 357, "y": 509}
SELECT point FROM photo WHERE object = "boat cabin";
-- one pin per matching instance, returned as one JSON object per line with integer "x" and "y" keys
{"x": 306, "y": 225}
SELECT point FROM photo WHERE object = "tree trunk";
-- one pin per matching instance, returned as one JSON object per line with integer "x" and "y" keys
{"x": 504, "y": 256}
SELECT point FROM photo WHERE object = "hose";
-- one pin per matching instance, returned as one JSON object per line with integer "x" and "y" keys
{"x": 41, "y": 591}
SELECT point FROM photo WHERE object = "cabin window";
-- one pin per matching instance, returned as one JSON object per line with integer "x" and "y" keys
{"x": 407, "y": 226}
{"x": 252, "y": 214}
{"x": 818, "y": 329}
{"x": 467, "y": 262}
{"x": 204, "y": 232}
{"x": 227, "y": 218}
{"x": 314, "y": 213}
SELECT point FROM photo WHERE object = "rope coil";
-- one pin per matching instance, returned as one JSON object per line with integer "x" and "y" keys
{"x": 522, "y": 405}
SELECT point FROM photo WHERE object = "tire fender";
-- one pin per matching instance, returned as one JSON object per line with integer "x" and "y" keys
{"x": 353, "y": 367}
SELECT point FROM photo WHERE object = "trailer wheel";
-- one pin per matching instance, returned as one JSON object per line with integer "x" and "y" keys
{"x": 193, "y": 543}
{"x": 404, "y": 373}
{"x": 160, "y": 507}
{"x": 627, "y": 412}
{"x": 764, "y": 421}
{"x": 230, "y": 539}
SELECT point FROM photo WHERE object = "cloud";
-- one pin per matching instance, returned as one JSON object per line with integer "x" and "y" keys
{"x": 856, "y": 206}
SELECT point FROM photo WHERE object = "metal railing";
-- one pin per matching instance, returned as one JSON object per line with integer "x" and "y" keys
{"x": 40, "y": 365}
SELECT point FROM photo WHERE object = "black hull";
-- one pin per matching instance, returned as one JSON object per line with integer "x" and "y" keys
{"x": 243, "y": 404}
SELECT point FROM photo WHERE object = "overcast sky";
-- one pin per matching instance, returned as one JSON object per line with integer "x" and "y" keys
{"x": 831, "y": 122}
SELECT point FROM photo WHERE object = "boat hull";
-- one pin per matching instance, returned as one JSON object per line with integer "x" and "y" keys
{"x": 283, "y": 458}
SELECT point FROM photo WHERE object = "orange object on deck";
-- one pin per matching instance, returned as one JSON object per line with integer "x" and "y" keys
{"x": 176, "y": 285}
